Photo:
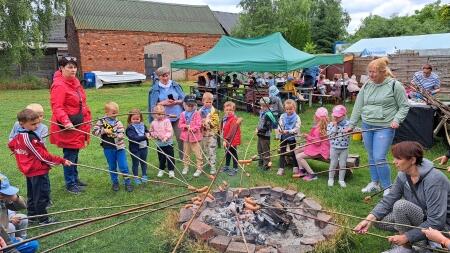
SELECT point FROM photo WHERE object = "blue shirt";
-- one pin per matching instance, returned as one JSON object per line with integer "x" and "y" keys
{"x": 429, "y": 83}
{"x": 170, "y": 109}
{"x": 311, "y": 71}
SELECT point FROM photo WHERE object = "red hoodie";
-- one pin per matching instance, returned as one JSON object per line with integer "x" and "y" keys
{"x": 65, "y": 101}
{"x": 32, "y": 157}
{"x": 229, "y": 127}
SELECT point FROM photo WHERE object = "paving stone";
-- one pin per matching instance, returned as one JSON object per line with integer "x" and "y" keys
{"x": 329, "y": 231}
{"x": 230, "y": 196}
{"x": 267, "y": 250}
{"x": 245, "y": 192}
{"x": 260, "y": 190}
{"x": 299, "y": 197}
{"x": 220, "y": 243}
{"x": 312, "y": 240}
{"x": 219, "y": 231}
{"x": 277, "y": 192}
{"x": 296, "y": 249}
{"x": 324, "y": 218}
{"x": 185, "y": 215}
{"x": 210, "y": 203}
{"x": 310, "y": 203}
{"x": 239, "y": 247}
{"x": 201, "y": 231}
{"x": 289, "y": 195}
{"x": 220, "y": 196}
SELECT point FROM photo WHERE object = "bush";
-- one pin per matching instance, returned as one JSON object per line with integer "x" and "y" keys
{"x": 25, "y": 82}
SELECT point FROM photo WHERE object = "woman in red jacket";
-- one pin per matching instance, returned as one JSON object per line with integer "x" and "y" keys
{"x": 69, "y": 109}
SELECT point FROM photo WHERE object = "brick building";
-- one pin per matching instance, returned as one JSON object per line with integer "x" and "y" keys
{"x": 129, "y": 35}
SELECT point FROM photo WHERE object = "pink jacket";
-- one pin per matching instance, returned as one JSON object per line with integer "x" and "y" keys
{"x": 161, "y": 129}
{"x": 195, "y": 132}
{"x": 319, "y": 148}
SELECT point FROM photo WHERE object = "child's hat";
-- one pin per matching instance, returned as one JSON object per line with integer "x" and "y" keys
{"x": 321, "y": 112}
{"x": 264, "y": 101}
{"x": 290, "y": 78}
{"x": 5, "y": 187}
{"x": 339, "y": 111}
{"x": 190, "y": 99}
{"x": 273, "y": 91}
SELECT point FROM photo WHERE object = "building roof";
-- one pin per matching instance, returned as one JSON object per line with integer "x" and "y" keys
{"x": 392, "y": 44}
{"x": 145, "y": 16}
{"x": 227, "y": 20}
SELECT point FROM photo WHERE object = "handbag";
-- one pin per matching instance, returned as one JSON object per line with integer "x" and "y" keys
{"x": 76, "y": 119}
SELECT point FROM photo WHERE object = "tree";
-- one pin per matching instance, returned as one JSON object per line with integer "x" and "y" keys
{"x": 24, "y": 27}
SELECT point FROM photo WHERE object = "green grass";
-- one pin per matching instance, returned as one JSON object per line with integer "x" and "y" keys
{"x": 155, "y": 232}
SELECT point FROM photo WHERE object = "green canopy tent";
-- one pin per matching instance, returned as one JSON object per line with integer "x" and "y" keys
{"x": 271, "y": 53}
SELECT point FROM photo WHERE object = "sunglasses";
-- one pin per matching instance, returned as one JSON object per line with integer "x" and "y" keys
{"x": 71, "y": 58}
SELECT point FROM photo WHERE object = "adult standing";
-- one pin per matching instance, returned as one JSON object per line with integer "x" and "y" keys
{"x": 419, "y": 197}
{"x": 69, "y": 110}
{"x": 169, "y": 94}
{"x": 310, "y": 76}
{"x": 382, "y": 105}
{"x": 427, "y": 79}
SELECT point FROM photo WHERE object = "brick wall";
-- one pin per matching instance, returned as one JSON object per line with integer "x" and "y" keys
{"x": 124, "y": 50}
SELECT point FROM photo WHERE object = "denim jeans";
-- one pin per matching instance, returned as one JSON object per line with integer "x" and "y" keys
{"x": 377, "y": 144}
{"x": 116, "y": 157}
{"x": 142, "y": 154}
{"x": 71, "y": 172}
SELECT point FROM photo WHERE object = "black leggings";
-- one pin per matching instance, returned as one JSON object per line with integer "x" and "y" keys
{"x": 166, "y": 155}
{"x": 232, "y": 150}
{"x": 283, "y": 148}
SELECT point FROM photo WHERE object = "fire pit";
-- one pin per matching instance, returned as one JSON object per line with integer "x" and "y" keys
{"x": 271, "y": 219}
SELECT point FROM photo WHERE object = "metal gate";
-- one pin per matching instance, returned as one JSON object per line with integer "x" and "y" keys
{"x": 152, "y": 63}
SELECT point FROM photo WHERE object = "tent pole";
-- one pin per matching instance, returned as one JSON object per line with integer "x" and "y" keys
{"x": 343, "y": 83}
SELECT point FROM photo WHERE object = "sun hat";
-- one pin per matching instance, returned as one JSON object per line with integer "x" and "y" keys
{"x": 321, "y": 112}
{"x": 5, "y": 187}
{"x": 339, "y": 111}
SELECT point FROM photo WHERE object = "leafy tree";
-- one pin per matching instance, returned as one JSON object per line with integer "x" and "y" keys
{"x": 24, "y": 27}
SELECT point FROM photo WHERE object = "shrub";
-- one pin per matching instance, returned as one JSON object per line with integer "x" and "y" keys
{"x": 25, "y": 82}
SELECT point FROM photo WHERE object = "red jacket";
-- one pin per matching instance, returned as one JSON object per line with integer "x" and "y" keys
{"x": 229, "y": 127}
{"x": 32, "y": 157}
{"x": 64, "y": 101}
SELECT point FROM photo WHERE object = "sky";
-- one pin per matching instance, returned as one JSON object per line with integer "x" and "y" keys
{"x": 358, "y": 9}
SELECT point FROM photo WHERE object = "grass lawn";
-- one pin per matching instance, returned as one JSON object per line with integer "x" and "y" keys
{"x": 155, "y": 232}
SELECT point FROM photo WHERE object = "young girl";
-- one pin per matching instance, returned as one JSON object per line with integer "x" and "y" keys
{"x": 112, "y": 133}
{"x": 231, "y": 131}
{"x": 161, "y": 129}
{"x": 339, "y": 145}
{"x": 315, "y": 148}
{"x": 138, "y": 132}
{"x": 289, "y": 127}
{"x": 191, "y": 134}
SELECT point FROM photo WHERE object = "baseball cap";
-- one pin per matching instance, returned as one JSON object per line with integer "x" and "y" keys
{"x": 190, "y": 99}
{"x": 321, "y": 112}
{"x": 5, "y": 187}
{"x": 339, "y": 111}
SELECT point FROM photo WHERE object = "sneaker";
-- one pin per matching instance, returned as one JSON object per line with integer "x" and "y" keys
{"x": 49, "y": 205}
{"x": 302, "y": 172}
{"x": 398, "y": 249}
{"x": 128, "y": 188}
{"x": 161, "y": 173}
{"x": 197, "y": 173}
{"x": 330, "y": 182}
{"x": 81, "y": 183}
{"x": 49, "y": 220}
{"x": 232, "y": 172}
{"x": 212, "y": 171}
{"x": 185, "y": 171}
{"x": 171, "y": 174}
{"x": 115, "y": 187}
{"x": 342, "y": 184}
{"x": 372, "y": 186}
{"x": 74, "y": 189}
{"x": 137, "y": 181}
{"x": 280, "y": 172}
{"x": 225, "y": 169}
{"x": 386, "y": 192}
{"x": 310, "y": 177}
{"x": 144, "y": 179}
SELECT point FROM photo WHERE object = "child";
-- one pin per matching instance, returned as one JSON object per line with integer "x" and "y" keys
{"x": 138, "y": 133}
{"x": 231, "y": 131}
{"x": 210, "y": 127}
{"x": 161, "y": 129}
{"x": 339, "y": 145}
{"x": 112, "y": 133}
{"x": 42, "y": 129}
{"x": 276, "y": 106}
{"x": 191, "y": 134}
{"x": 34, "y": 162}
{"x": 263, "y": 132}
{"x": 315, "y": 147}
{"x": 289, "y": 127}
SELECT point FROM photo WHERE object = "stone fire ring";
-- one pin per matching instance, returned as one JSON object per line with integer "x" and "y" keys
{"x": 313, "y": 232}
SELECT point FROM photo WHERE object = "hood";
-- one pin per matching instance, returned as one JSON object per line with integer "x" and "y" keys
{"x": 426, "y": 166}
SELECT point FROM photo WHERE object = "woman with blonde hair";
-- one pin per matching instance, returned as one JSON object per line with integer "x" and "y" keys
{"x": 382, "y": 105}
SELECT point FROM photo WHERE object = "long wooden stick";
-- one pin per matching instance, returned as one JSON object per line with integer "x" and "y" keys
{"x": 368, "y": 198}
{"x": 352, "y": 168}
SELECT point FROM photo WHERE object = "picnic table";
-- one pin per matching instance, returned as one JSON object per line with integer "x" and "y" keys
{"x": 309, "y": 91}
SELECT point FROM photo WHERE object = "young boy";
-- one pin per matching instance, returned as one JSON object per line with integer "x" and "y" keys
{"x": 231, "y": 131}
{"x": 263, "y": 131}
{"x": 210, "y": 129}
{"x": 34, "y": 162}
{"x": 41, "y": 131}
{"x": 112, "y": 133}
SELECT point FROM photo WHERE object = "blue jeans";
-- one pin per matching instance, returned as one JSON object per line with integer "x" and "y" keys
{"x": 141, "y": 153}
{"x": 116, "y": 157}
{"x": 29, "y": 247}
{"x": 377, "y": 144}
{"x": 71, "y": 172}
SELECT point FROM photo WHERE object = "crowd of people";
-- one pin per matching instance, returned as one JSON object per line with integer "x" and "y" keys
{"x": 419, "y": 196}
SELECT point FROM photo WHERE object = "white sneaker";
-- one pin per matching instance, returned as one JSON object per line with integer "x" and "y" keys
{"x": 185, "y": 171}
{"x": 171, "y": 174}
{"x": 330, "y": 182}
{"x": 280, "y": 172}
{"x": 197, "y": 173}
{"x": 386, "y": 192}
{"x": 372, "y": 186}
{"x": 212, "y": 171}
{"x": 342, "y": 184}
{"x": 161, "y": 173}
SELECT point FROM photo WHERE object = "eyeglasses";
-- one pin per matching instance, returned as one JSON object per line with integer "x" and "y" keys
{"x": 70, "y": 58}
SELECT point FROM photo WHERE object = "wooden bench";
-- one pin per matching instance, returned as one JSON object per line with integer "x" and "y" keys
{"x": 352, "y": 161}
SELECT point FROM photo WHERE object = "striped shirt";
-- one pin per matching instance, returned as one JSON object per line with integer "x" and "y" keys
{"x": 429, "y": 83}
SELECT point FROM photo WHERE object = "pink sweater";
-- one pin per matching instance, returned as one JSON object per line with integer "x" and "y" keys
{"x": 195, "y": 133}
{"x": 161, "y": 129}
{"x": 319, "y": 148}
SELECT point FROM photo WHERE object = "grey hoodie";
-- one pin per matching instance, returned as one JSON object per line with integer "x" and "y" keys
{"x": 433, "y": 193}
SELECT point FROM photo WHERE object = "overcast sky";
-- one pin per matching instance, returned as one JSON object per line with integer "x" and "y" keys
{"x": 358, "y": 9}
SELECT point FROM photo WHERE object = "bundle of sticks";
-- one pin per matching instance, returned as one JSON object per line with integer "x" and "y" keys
{"x": 430, "y": 99}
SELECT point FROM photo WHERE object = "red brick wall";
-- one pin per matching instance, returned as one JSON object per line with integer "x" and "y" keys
{"x": 124, "y": 50}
